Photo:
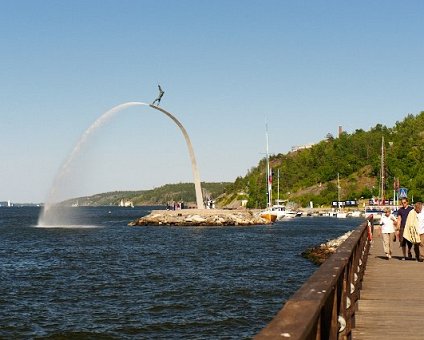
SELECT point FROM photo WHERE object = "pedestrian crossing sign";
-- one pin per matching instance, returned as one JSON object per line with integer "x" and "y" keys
{"x": 403, "y": 192}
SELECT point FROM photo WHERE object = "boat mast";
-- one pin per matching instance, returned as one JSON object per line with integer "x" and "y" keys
{"x": 278, "y": 186}
{"x": 268, "y": 173}
{"x": 382, "y": 172}
{"x": 338, "y": 191}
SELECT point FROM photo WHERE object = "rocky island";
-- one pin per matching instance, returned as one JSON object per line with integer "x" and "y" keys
{"x": 201, "y": 217}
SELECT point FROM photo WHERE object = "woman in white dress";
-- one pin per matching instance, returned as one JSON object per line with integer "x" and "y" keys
{"x": 388, "y": 223}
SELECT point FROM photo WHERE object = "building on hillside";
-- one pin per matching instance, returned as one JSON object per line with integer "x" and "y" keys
{"x": 302, "y": 147}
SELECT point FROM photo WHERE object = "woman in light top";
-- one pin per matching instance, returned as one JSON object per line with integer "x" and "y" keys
{"x": 388, "y": 225}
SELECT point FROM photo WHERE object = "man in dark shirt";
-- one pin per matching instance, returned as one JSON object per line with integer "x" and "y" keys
{"x": 402, "y": 216}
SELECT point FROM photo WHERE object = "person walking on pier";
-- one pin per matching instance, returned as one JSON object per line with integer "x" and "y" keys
{"x": 388, "y": 223}
{"x": 421, "y": 225}
{"x": 403, "y": 213}
{"x": 411, "y": 232}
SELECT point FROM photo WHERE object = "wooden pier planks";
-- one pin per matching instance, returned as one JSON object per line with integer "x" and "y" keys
{"x": 392, "y": 297}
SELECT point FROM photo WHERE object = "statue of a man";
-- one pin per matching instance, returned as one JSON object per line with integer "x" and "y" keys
{"x": 157, "y": 100}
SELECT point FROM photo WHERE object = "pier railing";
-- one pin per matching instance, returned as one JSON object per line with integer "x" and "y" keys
{"x": 324, "y": 307}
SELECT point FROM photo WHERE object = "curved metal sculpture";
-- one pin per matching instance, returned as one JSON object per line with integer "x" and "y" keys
{"x": 195, "y": 170}
{"x": 97, "y": 124}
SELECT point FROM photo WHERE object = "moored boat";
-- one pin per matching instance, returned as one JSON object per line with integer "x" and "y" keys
{"x": 268, "y": 213}
{"x": 341, "y": 214}
{"x": 377, "y": 211}
{"x": 356, "y": 213}
{"x": 378, "y": 205}
{"x": 283, "y": 212}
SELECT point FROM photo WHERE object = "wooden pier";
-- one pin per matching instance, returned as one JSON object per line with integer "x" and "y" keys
{"x": 356, "y": 294}
{"x": 391, "y": 305}
{"x": 325, "y": 306}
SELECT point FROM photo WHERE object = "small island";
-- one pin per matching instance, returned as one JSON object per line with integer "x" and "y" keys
{"x": 201, "y": 217}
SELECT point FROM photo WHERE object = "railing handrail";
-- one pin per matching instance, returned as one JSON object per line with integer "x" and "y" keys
{"x": 324, "y": 306}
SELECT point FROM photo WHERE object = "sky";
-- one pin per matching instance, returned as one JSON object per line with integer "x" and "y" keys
{"x": 228, "y": 68}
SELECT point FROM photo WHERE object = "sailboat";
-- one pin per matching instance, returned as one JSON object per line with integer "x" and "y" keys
{"x": 339, "y": 212}
{"x": 378, "y": 206}
{"x": 268, "y": 213}
{"x": 279, "y": 208}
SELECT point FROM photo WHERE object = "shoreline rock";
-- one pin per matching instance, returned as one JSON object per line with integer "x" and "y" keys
{"x": 322, "y": 252}
{"x": 201, "y": 217}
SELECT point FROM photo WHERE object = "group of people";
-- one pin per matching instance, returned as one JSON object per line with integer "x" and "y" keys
{"x": 408, "y": 227}
{"x": 175, "y": 205}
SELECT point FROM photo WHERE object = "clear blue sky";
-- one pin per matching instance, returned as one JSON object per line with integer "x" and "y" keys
{"x": 227, "y": 68}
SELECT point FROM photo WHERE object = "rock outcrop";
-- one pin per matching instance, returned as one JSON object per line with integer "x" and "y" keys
{"x": 197, "y": 217}
{"x": 322, "y": 252}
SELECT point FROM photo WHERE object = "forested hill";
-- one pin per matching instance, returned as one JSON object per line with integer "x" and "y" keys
{"x": 311, "y": 174}
{"x": 157, "y": 196}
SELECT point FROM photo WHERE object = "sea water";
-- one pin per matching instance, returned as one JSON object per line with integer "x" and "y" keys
{"x": 101, "y": 278}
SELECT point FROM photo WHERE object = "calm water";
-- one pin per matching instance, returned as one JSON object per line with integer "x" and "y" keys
{"x": 112, "y": 281}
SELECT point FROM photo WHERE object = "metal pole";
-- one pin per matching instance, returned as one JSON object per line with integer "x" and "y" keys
{"x": 278, "y": 186}
{"x": 268, "y": 172}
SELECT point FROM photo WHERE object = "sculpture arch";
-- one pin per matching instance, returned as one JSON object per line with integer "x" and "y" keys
{"x": 194, "y": 168}
{"x": 97, "y": 124}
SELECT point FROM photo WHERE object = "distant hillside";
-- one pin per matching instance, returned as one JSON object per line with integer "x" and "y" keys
{"x": 310, "y": 174}
{"x": 157, "y": 196}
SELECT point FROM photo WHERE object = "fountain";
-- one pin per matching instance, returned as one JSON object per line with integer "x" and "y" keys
{"x": 50, "y": 215}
